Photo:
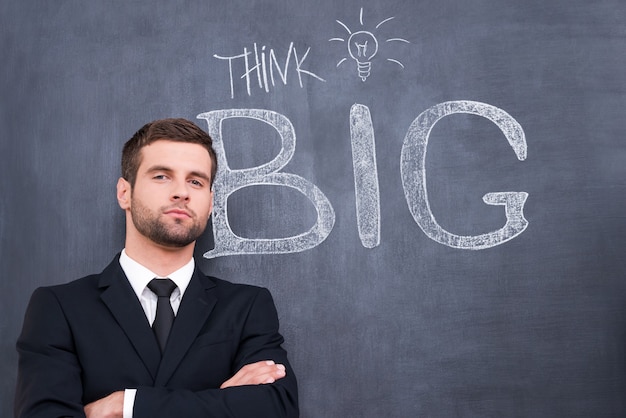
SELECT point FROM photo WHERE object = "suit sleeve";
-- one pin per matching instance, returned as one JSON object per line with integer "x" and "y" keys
{"x": 260, "y": 341}
{"x": 49, "y": 375}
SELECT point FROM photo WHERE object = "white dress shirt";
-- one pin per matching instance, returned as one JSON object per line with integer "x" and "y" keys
{"x": 139, "y": 277}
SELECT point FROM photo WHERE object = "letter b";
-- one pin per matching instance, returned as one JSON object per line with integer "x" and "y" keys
{"x": 228, "y": 181}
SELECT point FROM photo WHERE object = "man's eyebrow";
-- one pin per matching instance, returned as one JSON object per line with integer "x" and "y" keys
{"x": 201, "y": 175}
{"x": 158, "y": 168}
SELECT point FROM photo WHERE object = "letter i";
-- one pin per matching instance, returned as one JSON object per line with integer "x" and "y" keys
{"x": 257, "y": 67}
{"x": 365, "y": 175}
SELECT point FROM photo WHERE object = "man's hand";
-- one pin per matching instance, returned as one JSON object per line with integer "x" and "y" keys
{"x": 110, "y": 407}
{"x": 259, "y": 373}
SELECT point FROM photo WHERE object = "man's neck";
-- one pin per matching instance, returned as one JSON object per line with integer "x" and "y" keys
{"x": 160, "y": 260}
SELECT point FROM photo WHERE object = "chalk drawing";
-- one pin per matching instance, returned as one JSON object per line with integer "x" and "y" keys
{"x": 413, "y": 172}
{"x": 264, "y": 65}
{"x": 228, "y": 181}
{"x": 363, "y": 45}
{"x": 365, "y": 175}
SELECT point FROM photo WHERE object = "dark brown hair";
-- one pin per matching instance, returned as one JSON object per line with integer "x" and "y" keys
{"x": 178, "y": 130}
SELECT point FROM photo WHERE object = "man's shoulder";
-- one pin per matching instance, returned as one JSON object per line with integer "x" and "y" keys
{"x": 91, "y": 281}
{"x": 231, "y": 287}
{"x": 240, "y": 297}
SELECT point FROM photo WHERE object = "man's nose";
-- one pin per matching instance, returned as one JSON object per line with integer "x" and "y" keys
{"x": 180, "y": 191}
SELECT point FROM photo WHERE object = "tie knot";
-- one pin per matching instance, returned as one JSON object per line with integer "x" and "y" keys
{"x": 162, "y": 287}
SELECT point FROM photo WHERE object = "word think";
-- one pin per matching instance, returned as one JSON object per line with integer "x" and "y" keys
{"x": 264, "y": 66}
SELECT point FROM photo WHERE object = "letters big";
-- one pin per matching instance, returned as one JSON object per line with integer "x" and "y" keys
{"x": 413, "y": 173}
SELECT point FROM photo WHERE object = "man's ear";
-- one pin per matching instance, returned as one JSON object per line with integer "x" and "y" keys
{"x": 123, "y": 193}
{"x": 211, "y": 205}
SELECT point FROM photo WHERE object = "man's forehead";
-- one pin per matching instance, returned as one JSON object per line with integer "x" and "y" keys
{"x": 167, "y": 153}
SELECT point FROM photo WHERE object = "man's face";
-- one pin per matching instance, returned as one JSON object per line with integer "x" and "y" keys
{"x": 171, "y": 200}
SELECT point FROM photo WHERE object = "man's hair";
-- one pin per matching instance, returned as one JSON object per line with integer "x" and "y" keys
{"x": 178, "y": 130}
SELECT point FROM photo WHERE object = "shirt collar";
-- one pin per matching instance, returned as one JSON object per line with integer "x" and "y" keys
{"x": 139, "y": 276}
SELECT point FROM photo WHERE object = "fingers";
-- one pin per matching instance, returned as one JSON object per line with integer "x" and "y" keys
{"x": 109, "y": 406}
{"x": 259, "y": 373}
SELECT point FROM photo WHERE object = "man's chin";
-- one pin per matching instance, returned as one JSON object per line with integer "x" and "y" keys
{"x": 182, "y": 238}
{"x": 174, "y": 242}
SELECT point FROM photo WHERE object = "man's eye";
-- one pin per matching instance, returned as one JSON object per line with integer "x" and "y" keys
{"x": 196, "y": 183}
{"x": 159, "y": 177}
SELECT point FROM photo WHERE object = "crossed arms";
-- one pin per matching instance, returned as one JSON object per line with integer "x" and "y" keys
{"x": 56, "y": 377}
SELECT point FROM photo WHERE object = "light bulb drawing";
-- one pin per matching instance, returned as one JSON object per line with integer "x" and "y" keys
{"x": 362, "y": 46}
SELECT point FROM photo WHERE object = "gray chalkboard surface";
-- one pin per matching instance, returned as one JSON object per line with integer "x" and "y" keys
{"x": 434, "y": 192}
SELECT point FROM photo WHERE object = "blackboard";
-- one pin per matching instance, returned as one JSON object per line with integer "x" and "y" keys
{"x": 354, "y": 185}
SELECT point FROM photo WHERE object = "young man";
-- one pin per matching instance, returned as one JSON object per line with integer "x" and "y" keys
{"x": 87, "y": 348}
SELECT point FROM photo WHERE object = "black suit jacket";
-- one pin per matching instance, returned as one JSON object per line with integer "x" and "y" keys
{"x": 86, "y": 339}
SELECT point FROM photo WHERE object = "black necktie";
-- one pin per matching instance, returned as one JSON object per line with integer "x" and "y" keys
{"x": 164, "y": 318}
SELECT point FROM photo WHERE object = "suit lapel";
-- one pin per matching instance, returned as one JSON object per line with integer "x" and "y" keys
{"x": 119, "y": 297}
{"x": 195, "y": 308}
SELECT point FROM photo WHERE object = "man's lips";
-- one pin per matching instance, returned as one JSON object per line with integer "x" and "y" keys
{"x": 178, "y": 213}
